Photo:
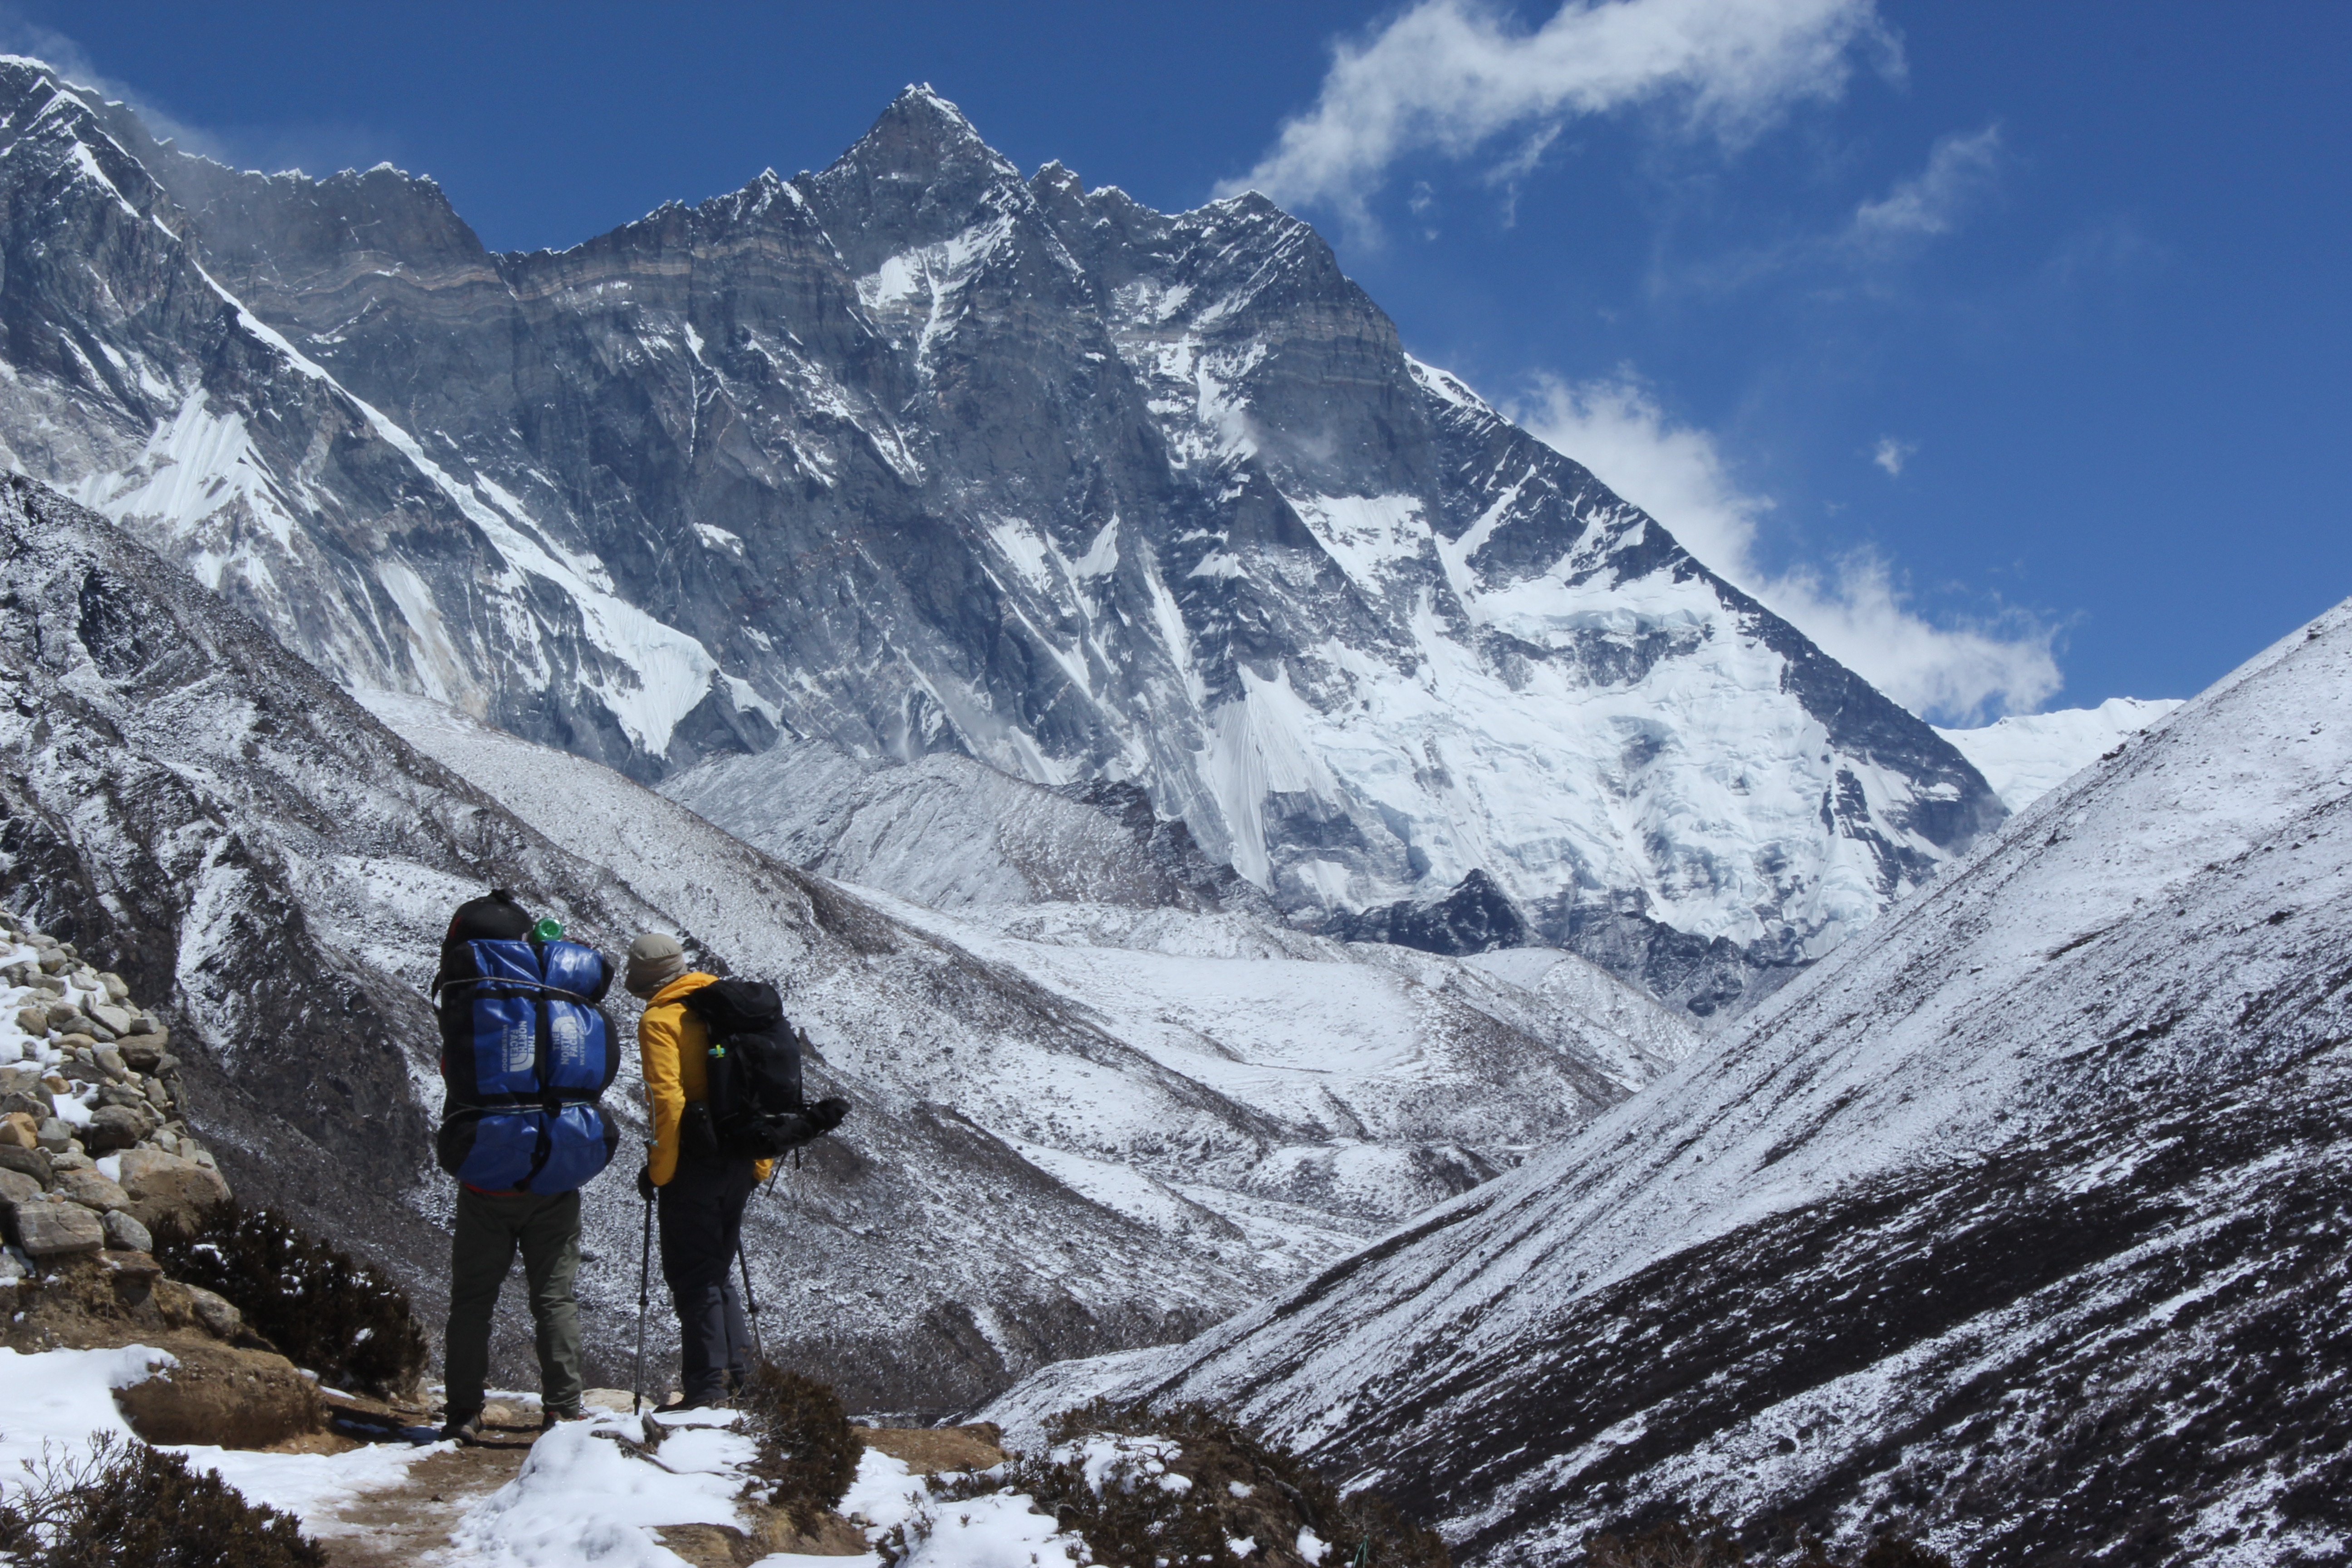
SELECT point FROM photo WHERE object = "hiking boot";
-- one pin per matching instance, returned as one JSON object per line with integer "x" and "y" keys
{"x": 548, "y": 1418}
{"x": 463, "y": 1427}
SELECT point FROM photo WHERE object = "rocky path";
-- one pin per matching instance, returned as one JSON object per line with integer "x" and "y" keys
{"x": 410, "y": 1524}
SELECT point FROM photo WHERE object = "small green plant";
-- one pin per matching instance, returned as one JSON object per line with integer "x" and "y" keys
{"x": 337, "y": 1315}
{"x": 808, "y": 1450}
{"x": 126, "y": 1505}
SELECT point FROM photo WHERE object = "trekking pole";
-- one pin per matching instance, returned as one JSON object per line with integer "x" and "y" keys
{"x": 750, "y": 1303}
{"x": 645, "y": 1275}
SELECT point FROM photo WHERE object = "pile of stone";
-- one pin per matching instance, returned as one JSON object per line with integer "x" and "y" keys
{"x": 95, "y": 1151}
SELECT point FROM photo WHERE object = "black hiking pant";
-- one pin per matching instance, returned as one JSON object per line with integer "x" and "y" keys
{"x": 701, "y": 1211}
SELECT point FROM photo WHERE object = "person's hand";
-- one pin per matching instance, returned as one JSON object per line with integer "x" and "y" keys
{"x": 645, "y": 1183}
{"x": 826, "y": 1114}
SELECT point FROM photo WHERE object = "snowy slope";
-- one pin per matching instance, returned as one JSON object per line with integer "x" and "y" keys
{"x": 914, "y": 456}
{"x": 946, "y": 831}
{"x": 2027, "y": 756}
{"x": 1348, "y": 1084}
{"x": 205, "y": 815}
{"x": 2021, "y": 1218}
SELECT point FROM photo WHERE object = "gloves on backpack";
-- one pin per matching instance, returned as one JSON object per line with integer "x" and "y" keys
{"x": 826, "y": 1114}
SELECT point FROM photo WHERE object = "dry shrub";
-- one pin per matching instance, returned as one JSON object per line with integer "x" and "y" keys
{"x": 808, "y": 1450}
{"x": 1702, "y": 1542}
{"x": 323, "y": 1309}
{"x": 126, "y": 1505}
{"x": 1705, "y": 1542}
{"x": 1241, "y": 1487}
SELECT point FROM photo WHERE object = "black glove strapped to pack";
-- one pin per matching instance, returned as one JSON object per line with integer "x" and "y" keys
{"x": 756, "y": 1108}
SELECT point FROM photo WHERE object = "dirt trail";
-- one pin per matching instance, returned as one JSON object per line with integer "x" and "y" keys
{"x": 407, "y": 1525}
{"x": 400, "y": 1526}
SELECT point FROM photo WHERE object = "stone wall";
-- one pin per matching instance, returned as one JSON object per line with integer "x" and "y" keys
{"x": 95, "y": 1151}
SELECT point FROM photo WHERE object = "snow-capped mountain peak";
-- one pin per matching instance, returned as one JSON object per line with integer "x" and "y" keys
{"x": 912, "y": 455}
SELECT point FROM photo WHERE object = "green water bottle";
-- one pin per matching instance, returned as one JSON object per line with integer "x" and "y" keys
{"x": 548, "y": 930}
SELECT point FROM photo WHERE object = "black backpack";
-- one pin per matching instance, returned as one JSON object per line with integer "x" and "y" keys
{"x": 757, "y": 1110}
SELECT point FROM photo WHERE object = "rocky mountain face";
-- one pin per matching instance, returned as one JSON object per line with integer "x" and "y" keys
{"x": 2019, "y": 1223}
{"x": 1068, "y": 1138}
{"x": 916, "y": 456}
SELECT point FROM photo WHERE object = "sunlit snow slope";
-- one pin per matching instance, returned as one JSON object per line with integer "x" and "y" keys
{"x": 913, "y": 455}
{"x": 2025, "y": 756}
{"x": 2020, "y": 1221}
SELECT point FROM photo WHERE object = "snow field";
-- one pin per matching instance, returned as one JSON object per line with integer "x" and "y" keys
{"x": 54, "y": 1403}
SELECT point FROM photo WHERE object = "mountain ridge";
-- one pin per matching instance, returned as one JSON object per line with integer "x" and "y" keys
{"x": 2017, "y": 1223}
{"x": 912, "y": 454}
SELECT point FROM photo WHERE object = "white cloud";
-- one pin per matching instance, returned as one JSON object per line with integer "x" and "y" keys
{"x": 1449, "y": 75}
{"x": 1891, "y": 455}
{"x": 1959, "y": 168}
{"x": 1855, "y": 611}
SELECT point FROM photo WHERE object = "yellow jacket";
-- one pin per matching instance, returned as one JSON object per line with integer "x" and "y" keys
{"x": 671, "y": 1046}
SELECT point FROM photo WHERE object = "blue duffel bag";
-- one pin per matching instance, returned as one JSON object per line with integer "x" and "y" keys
{"x": 526, "y": 1056}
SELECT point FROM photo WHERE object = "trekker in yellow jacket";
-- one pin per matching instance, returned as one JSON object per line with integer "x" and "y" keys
{"x": 699, "y": 1193}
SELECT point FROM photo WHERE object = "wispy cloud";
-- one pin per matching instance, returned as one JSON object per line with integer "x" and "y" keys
{"x": 1450, "y": 76}
{"x": 1854, "y": 610}
{"x": 321, "y": 148}
{"x": 1891, "y": 455}
{"x": 1960, "y": 170}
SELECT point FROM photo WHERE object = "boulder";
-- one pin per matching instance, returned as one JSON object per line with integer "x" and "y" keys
{"x": 117, "y": 1127}
{"x": 34, "y": 1100}
{"x": 33, "y": 1021}
{"x": 48, "y": 1227}
{"x": 127, "y": 1233}
{"x": 167, "y": 1191}
{"x": 116, "y": 1019}
{"x": 216, "y": 1395}
{"x": 19, "y": 1129}
{"x": 64, "y": 1017}
{"x": 216, "y": 1312}
{"x": 16, "y": 1187}
{"x": 158, "y": 1097}
{"x": 53, "y": 1135}
{"x": 92, "y": 1191}
{"x": 33, "y": 1162}
{"x": 110, "y": 1059}
{"x": 117, "y": 991}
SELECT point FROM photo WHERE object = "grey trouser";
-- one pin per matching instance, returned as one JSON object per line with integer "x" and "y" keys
{"x": 701, "y": 1225}
{"x": 490, "y": 1225}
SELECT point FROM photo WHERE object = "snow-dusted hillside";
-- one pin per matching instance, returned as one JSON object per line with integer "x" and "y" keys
{"x": 947, "y": 832}
{"x": 1236, "y": 1075}
{"x": 205, "y": 815}
{"x": 2027, "y": 756}
{"x": 913, "y": 456}
{"x": 2020, "y": 1221}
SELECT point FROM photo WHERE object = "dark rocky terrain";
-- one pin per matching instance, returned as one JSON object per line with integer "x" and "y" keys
{"x": 914, "y": 455}
{"x": 2019, "y": 1222}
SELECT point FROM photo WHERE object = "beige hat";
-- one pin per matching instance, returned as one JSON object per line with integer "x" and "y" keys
{"x": 655, "y": 960}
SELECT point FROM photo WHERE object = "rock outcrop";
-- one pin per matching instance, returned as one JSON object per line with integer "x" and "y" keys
{"x": 95, "y": 1148}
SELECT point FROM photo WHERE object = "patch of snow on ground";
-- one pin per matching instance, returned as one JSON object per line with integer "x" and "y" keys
{"x": 584, "y": 1496}
{"x": 61, "y": 1401}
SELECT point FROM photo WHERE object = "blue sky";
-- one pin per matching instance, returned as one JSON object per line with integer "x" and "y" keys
{"x": 2003, "y": 346}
